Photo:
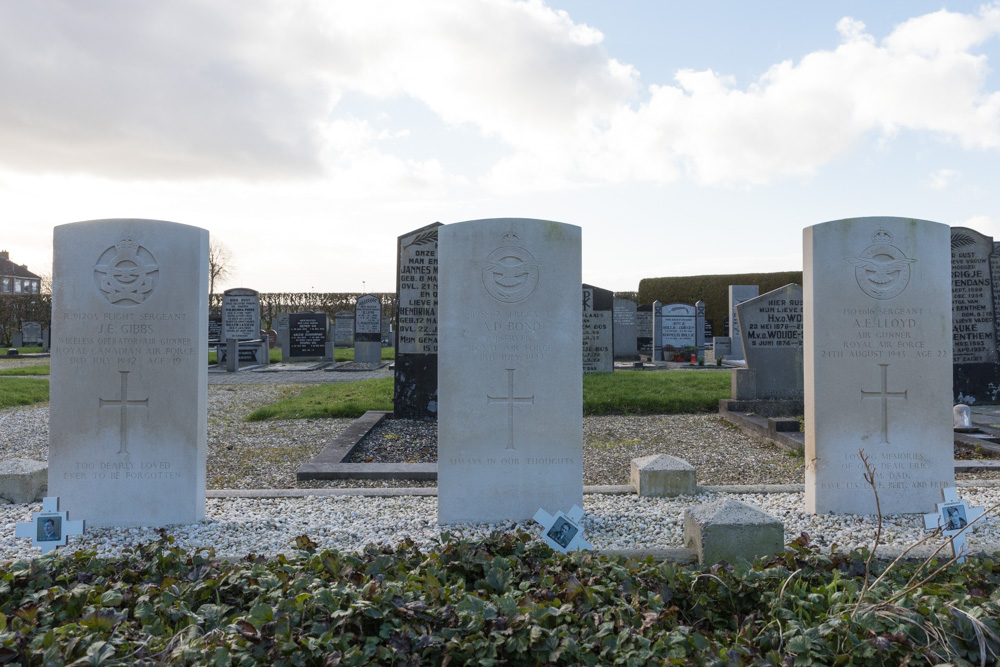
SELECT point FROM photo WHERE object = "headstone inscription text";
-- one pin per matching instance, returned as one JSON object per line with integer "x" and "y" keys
{"x": 626, "y": 335}
{"x": 598, "y": 330}
{"x": 974, "y": 329}
{"x": 877, "y": 364}
{"x": 307, "y": 335}
{"x": 127, "y": 431}
{"x": 415, "y": 372}
{"x": 240, "y": 314}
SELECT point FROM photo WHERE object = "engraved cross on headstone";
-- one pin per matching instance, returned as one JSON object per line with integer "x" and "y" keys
{"x": 884, "y": 394}
{"x": 124, "y": 404}
{"x": 510, "y": 399}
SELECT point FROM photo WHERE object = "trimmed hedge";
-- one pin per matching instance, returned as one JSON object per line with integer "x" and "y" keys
{"x": 713, "y": 290}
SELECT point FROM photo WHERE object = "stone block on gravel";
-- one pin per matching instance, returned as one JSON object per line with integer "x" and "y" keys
{"x": 23, "y": 480}
{"x": 731, "y": 531}
{"x": 661, "y": 476}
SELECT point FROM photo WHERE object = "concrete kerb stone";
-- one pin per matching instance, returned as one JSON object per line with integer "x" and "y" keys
{"x": 732, "y": 531}
{"x": 662, "y": 476}
{"x": 23, "y": 480}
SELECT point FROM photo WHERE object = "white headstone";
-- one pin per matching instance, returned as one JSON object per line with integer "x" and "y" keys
{"x": 129, "y": 374}
{"x": 877, "y": 364}
{"x": 510, "y": 385}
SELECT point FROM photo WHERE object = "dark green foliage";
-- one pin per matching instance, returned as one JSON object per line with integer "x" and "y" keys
{"x": 504, "y": 600}
{"x": 17, "y": 308}
{"x": 713, "y": 290}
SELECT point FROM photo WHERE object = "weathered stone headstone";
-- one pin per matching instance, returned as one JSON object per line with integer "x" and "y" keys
{"x": 214, "y": 330}
{"x": 240, "y": 314}
{"x": 343, "y": 328}
{"x": 598, "y": 330}
{"x": 771, "y": 325}
{"x": 307, "y": 334}
{"x": 368, "y": 330}
{"x": 644, "y": 330}
{"x": 241, "y": 322}
{"x": 877, "y": 364}
{"x": 679, "y": 326}
{"x": 657, "y": 343}
{"x": 974, "y": 331}
{"x": 625, "y": 321}
{"x": 416, "y": 372}
{"x": 509, "y": 429}
{"x": 737, "y": 295}
{"x": 129, "y": 374}
{"x": 31, "y": 333}
{"x": 700, "y": 329}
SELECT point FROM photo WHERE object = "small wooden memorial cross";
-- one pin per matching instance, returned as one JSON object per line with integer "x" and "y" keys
{"x": 49, "y": 528}
{"x": 563, "y": 531}
{"x": 953, "y": 516}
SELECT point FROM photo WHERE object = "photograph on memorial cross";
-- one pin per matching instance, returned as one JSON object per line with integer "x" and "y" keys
{"x": 126, "y": 272}
{"x": 49, "y": 528}
{"x": 954, "y": 517}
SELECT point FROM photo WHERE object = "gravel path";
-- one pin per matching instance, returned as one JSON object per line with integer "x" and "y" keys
{"x": 265, "y": 455}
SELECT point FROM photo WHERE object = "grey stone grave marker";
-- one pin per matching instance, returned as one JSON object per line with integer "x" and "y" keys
{"x": 679, "y": 328}
{"x": 241, "y": 322}
{"x": 127, "y": 421}
{"x": 598, "y": 330}
{"x": 31, "y": 333}
{"x": 509, "y": 389}
{"x": 974, "y": 332}
{"x": 771, "y": 326}
{"x": 737, "y": 295}
{"x": 415, "y": 381}
{"x": 307, "y": 334}
{"x": 644, "y": 329}
{"x": 343, "y": 328}
{"x": 626, "y": 335}
{"x": 368, "y": 330}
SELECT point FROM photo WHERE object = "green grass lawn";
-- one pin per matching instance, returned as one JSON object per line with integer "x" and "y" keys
{"x": 22, "y": 391}
{"x": 340, "y": 399}
{"x": 659, "y": 392}
{"x": 41, "y": 369}
{"x": 628, "y": 392}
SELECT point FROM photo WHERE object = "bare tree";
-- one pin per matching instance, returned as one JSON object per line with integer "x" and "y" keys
{"x": 220, "y": 260}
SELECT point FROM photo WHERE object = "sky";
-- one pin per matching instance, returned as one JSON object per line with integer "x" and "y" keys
{"x": 307, "y": 135}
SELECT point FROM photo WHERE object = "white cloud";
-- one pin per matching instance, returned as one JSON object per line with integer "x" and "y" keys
{"x": 250, "y": 90}
{"x": 942, "y": 179}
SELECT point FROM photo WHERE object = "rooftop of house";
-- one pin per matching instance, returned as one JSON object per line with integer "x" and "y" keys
{"x": 9, "y": 268}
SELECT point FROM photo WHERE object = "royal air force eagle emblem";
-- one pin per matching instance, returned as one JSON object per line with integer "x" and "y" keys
{"x": 882, "y": 270}
{"x": 126, "y": 273}
{"x": 510, "y": 273}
